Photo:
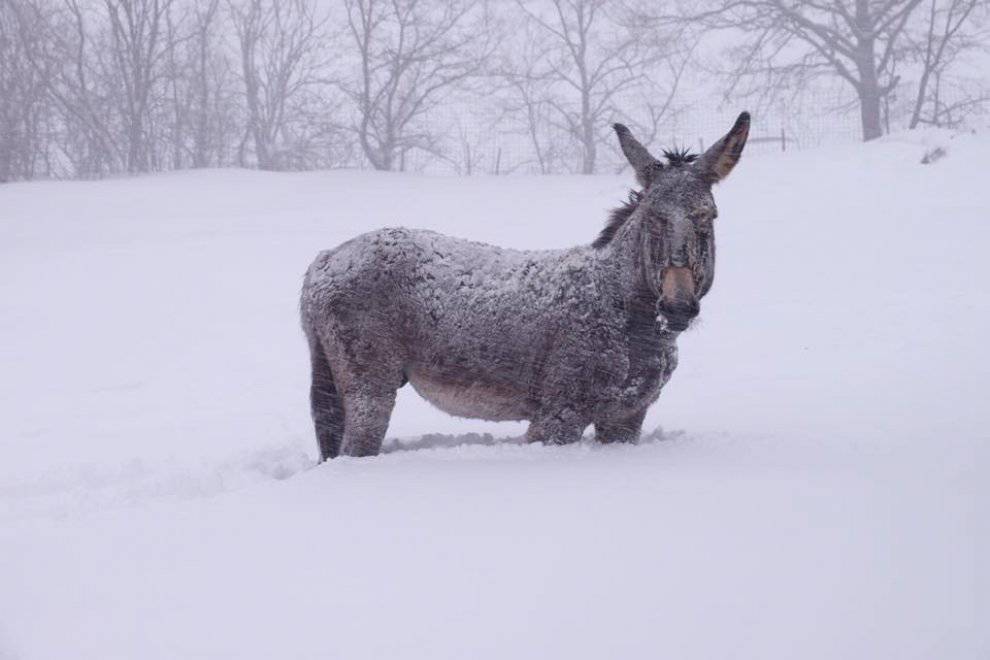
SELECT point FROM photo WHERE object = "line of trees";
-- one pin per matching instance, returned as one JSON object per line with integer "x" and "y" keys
{"x": 90, "y": 88}
{"x": 876, "y": 48}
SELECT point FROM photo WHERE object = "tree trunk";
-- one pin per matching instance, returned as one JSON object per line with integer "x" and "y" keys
{"x": 135, "y": 146}
{"x": 590, "y": 153}
{"x": 589, "y": 148}
{"x": 919, "y": 101}
{"x": 868, "y": 87}
{"x": 869, "y": 112}
{"x": 868, "y": 91}
{"x": 262, "y": 152}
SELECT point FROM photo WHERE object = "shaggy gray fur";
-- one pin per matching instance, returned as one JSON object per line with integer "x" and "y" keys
{"x": 562, "y": 338}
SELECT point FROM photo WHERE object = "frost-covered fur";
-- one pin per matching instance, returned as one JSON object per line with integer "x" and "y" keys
{"x": 562, "y": 338}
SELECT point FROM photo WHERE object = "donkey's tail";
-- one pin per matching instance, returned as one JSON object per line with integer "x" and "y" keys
{"x": 324, "y": 397}
{"x": 325, "y": 402}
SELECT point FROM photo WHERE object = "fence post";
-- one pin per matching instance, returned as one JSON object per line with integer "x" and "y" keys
{"x": 783, "y": 139}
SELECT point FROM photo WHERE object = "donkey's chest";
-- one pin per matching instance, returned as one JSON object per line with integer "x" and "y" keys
{"x": 648, "y": 374}
{"x": 609, "y": 376}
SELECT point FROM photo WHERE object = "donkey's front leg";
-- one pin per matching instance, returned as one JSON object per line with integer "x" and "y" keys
{"x": 559, "y": 428}
{"x": 620, "y": 429}
{"x": 366, "y": 415}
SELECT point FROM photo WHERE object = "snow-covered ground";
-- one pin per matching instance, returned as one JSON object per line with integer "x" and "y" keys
{"x": 821, "y": 488}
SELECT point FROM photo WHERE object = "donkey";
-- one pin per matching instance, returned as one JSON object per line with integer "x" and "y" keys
{"x": 561, "y": 338}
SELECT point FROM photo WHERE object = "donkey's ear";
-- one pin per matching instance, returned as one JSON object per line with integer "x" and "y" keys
{"x": 722, "y": 156}
{"x": 643, "y": 163}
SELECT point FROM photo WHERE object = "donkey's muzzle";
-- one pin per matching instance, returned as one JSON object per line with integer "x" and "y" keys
{"x": 679, "y": 314}
{"x": 678, "y": 304}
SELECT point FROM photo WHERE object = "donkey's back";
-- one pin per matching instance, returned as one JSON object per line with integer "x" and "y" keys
{"x": 410, "y": 282}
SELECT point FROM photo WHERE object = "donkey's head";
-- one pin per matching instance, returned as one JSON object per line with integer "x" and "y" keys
{"x": 676, "y": 213}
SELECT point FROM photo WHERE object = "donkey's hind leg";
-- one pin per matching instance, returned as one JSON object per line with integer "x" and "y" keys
{"x": 367, "y": 413}
{"x": 325, "y": 404}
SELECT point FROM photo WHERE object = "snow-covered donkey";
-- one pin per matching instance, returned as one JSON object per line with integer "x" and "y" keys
{"x": 562, "y": 338}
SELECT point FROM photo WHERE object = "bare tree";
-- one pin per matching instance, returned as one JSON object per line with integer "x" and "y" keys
{"x": 108, "y": 83}
{"x": 525, "y": 98}
{"x": 526, "y": 95}
{"x": 590, "y": 58}
{"x": 74, "y": 50}
{"x": 409, "y": 52}
{"x": 950, "y": 30}
{"x": 138, "y": 48}
{"x": 142, "y": 85}
{"x": 24, "y": 107}
{"x": 282, "y": 62}
{"x": 217, "y": 114}
{"x": 795, "y": 41}
{"x": 201, "y": 109}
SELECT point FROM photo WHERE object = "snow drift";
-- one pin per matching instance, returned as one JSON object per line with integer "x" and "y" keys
{"x": 820, "y": 489}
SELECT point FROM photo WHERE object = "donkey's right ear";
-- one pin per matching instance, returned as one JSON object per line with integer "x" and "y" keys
{"x": 643, "y": 163}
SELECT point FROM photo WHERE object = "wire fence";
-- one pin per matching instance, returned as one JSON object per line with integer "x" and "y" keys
{"x": 478, "y": 144}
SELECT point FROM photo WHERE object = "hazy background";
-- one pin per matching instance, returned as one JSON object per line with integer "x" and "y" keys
{"x": 90, "y": 88}
{"x": 813, "y": 480}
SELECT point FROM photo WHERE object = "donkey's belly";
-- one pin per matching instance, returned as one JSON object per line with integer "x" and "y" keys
{"x": 475, "y": 400}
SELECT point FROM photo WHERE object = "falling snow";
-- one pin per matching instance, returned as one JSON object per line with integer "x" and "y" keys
{"x": 819, "y": 489}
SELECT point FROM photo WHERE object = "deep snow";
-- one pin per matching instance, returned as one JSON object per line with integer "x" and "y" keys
{"x": 820, "y": 492}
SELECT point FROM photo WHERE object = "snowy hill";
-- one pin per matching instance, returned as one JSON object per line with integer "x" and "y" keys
{"x": 820, "y": 489}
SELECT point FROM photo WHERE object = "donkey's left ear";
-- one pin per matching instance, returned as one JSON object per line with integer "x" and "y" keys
{"x": 722, "y": 156}
{"x": 643, "y": 163}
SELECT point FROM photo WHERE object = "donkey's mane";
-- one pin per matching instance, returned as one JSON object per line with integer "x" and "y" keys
{"x": 617, "y": 218}
{"x": 679, "y": 156}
